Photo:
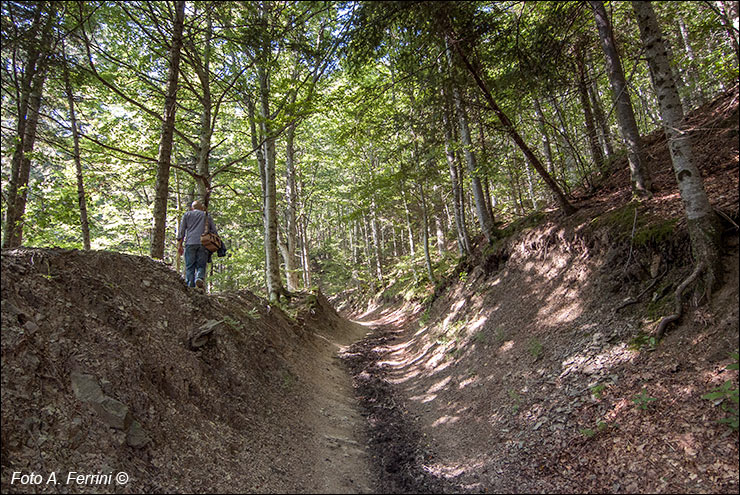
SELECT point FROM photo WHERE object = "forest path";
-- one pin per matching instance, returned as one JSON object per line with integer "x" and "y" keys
{"x": 342, "y": 463}
{"x": 403, "y": 459}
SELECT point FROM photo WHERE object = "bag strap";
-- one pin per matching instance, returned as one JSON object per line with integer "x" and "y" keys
{"x": 207, "y": 230}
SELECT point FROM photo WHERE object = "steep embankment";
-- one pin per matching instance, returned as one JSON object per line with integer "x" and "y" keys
{"x": 535, "y": 371}
{"x": 111, "y": 364}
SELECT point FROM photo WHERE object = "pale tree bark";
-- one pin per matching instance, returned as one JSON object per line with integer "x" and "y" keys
{"x": 305, "y": 261}
{"x": 639, "y": 171}
{"x": 376, "y": 240}
{"x": 601, "y": 121}
{"x": 696, "y": 89}
{"x": 272, "y": 264}
{"x": 81, "y": 200}
{"x": 291, "y": 198}
{"x": 166, "y": 140}
{"x": 485, "y": 222}
{"x": 412, "y": 246}
{"x": 463, "y": 241}
{"x": 703, "y": 222}
{"x": 366, "y": 236}
{"x": 425, "y": 232}
{"x": 203, "y": 70}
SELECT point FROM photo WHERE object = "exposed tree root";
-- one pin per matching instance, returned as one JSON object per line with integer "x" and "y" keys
{"x": 700, "y": 267}
{"x": 636, "y": 299}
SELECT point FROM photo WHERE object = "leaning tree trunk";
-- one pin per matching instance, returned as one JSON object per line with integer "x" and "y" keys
{"x": 703, "y": 223}
{"x": 639, "y": 171}
{"x": 78, "y": 162}
{"x": 508, "y": 125}
{"x": 168, "y": 131}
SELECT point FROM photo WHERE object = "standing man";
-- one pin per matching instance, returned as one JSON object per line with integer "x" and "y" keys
{"x": 192, "y": 226}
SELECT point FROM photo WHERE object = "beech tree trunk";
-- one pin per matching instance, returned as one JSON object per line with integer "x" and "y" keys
{"x": 593, "y": 138}
{"x": 82, "y": 202}
{"x": 484, "y": 218}
{"x": 703, "y": 222}
{"x": 203, "y": 71}
{"x": 272, "y": 263}
{"x": 168, "y": 131}
{"x": 425, "y": 233}
{"x": 639, "y": 171}
{"x": 291, "y": 198}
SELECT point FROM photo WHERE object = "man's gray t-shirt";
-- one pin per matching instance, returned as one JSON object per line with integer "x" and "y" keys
{"x": 193, "y": 225}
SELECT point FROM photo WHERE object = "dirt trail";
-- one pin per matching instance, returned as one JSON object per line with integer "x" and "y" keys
{"x": 342, "y": 463}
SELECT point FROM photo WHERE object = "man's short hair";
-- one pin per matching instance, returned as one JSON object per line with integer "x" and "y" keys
{"x": 197, "y": 205}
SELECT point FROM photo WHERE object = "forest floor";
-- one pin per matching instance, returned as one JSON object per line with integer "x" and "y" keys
{"x": 529, "y": 374}
{"x": 523, "y": 375}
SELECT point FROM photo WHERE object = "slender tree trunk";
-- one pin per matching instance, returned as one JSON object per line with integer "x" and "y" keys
{"x": 601, "y": 121}
{"x": 441, "y": 248}
{"x": 290, "y": 209}
{"x": 703, "y": 222}
{"x": 376, "y": 241}
{"x": 546, "y": 147}
{"x": 78, "y": 162}
{"x": 639, "y": 171}
{"x": 168, "y": 130}
{"x": 412, "y": 247}
{"x": 29, "y": 105}
{"x": 485, "y": 221}
{"x": 204, "y": 143}
{"x": 463, "y": 241}
{"x": 530, "y": 187}
{"x": 425, "y": 233}
{"x": 696, "y": 89}
{"x": 272, "y": 264}
{"x": 565, "y": 206}
{"x": 366, "y": 236}
{"x": 593, "y": 139}
{"x": 304, "y": 254}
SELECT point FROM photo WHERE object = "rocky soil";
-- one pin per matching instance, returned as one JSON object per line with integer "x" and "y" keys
{"x": 529, "y": 372}
{"x": 111, "y": 364}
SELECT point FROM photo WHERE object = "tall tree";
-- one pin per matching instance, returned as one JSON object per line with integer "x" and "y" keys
{"x": 639, "y": 171}
{"x": 703, "y": 222}
{"x": 29, "y": 84}
{"x": 167, "y": 135}
{"x": 484, "y": 218}
{"x": 81, "y": 199}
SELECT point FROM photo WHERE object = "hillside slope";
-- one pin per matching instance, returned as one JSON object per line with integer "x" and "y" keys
{"x": 103, "y": 372}
{"x": 534, "y": 370}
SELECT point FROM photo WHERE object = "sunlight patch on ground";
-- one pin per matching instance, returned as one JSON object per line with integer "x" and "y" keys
{"x": 477, "y": 324}
{"x": 424, "y": 398}
{"x": 452, "y": 470}
{"x": 446, "y": 420}
{"x": 506, "y": 346}
{"x": 439, "y": 385}
{"x": 467, "y": 381}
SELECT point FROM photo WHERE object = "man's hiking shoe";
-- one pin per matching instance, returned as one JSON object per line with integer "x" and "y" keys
{"x": 199, "y": 284}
